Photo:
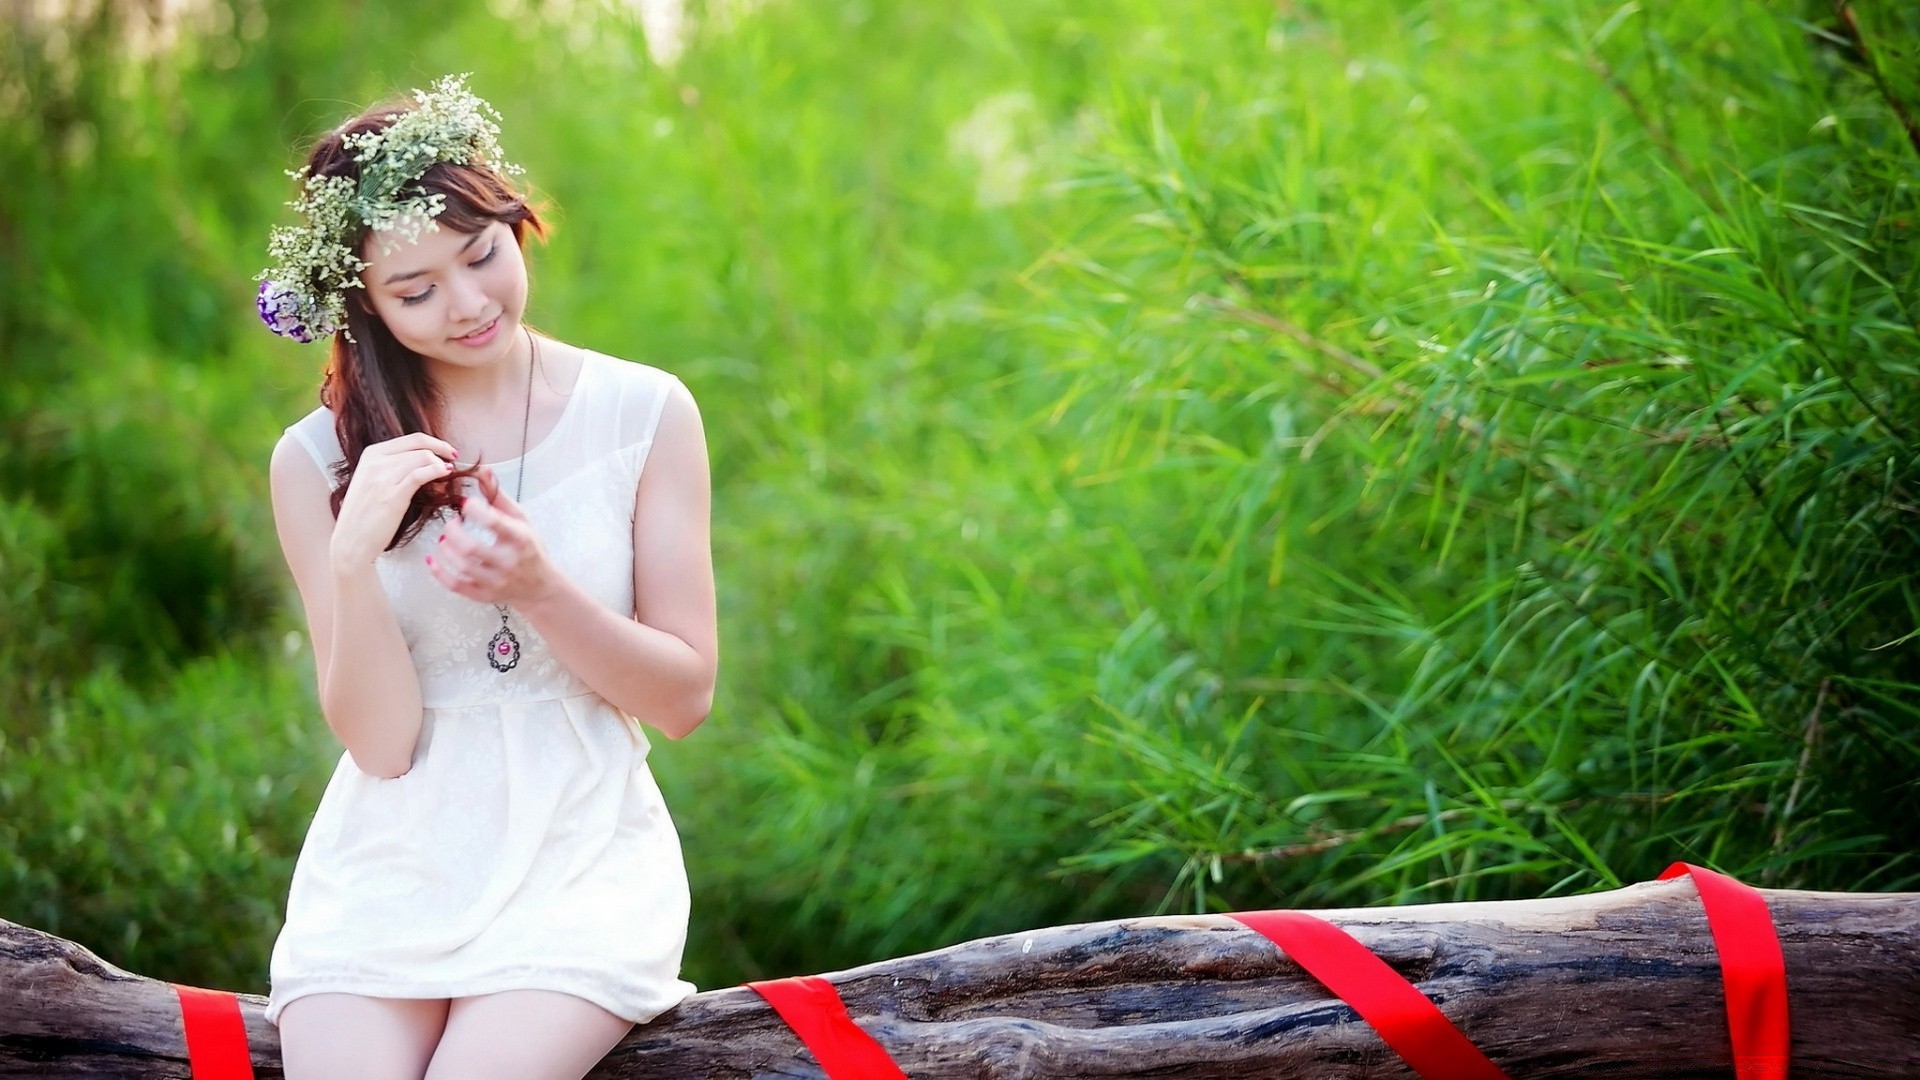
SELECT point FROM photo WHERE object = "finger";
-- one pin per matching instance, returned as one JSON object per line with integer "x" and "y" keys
{"x": 471, "y": 580}
{"x": 477, "y": 511}
{"x": 422, "y": 440}
{"x": 500, "y": 501}
{"x": 465, "y": 551}
{"x": 424, "y": 474}
{"x": 489, "y": 484}
{"x": 447, "y": 577}
{"x": 463, "y": 535}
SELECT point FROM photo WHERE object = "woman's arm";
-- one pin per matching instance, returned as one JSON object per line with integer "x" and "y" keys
{"x": 660, "y": 665}
{"x": 369, "y": 691}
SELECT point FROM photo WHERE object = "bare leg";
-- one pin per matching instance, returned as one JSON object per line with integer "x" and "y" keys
{"x": 524, "y": 1035}
{"x": 351, "y": 1037}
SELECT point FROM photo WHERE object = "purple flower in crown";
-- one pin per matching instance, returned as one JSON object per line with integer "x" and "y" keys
{"x": 282, "y": 310}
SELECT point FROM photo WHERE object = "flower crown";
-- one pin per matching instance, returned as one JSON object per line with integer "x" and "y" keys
{"x": 303, "y": 294}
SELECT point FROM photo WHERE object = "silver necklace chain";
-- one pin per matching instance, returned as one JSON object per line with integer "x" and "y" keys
{"x": 503, "y": 649}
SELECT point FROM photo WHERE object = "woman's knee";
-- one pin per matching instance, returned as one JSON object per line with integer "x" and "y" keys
{"x": 354, "y": 1037}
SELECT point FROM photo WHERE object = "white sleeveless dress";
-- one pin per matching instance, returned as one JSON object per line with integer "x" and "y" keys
{"x": 528, "y": 847}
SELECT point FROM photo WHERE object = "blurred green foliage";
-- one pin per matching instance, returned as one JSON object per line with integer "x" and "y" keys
{"x": 1167, "y": 456}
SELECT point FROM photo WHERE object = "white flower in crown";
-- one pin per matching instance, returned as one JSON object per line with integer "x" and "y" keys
{"x": 303, "y": 294}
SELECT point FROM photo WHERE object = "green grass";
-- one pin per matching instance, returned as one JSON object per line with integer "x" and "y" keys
{"x": 1166, "y": 457}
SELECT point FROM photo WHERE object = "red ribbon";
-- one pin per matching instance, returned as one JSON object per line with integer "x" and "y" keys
{"x": 1404, "y": 1017}
{"x": 813, "y": 1009}
{"x": 216, "y": 1035}
{"x": 1752, "y": 969}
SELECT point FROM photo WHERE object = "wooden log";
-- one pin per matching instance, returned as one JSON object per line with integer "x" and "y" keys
{"x": 1621, "y": 984}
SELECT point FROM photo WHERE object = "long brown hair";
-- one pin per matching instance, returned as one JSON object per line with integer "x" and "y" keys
{"x": 376, "y": 387}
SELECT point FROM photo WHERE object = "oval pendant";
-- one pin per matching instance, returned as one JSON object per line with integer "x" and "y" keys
{"x": 503, "y": 652}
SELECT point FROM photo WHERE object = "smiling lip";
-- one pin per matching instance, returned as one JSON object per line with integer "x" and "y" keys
{"x": 481, "y": 337}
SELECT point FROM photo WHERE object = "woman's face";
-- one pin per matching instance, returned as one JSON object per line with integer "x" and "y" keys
{"x": 436, "y": 292}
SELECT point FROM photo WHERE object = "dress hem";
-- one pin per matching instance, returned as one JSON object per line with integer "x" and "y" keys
{"x": 469, "y": 988}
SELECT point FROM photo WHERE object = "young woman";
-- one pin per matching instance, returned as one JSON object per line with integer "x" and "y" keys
{"x": 491, "y": 885}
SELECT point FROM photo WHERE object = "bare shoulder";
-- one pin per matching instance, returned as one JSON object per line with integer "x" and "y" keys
{"x": 680, "y": 410}
{"x": 638, "y": 373}
{"x": 302, "y": 508}
{"x": 648, "y": 387}
{"x": 680, "y": 439}
{"x": 293, "y": 471}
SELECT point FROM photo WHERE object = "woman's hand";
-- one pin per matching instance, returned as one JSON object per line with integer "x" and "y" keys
{"x": 383, "y": 487}
{"x": 491, "y": 554}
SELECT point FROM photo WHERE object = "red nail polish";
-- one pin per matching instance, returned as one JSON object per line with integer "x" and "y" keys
{"x": 429, "y": 560}
{"x": 441, "y": 539}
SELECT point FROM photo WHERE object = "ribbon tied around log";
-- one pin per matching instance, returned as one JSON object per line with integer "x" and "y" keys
{"x": 1752, "y": 968}
{"x": 216, "y": 1035}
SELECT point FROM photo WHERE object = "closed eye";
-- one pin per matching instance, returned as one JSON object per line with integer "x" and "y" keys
{"x": 481, "y": 261}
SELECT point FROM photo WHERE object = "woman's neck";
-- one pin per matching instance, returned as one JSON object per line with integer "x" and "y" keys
{"x": 487, "y": 389}
{"x": 479, "y": 398}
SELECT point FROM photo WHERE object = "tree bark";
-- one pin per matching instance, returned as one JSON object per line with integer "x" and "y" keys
{"x": 1622, "y": 984}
